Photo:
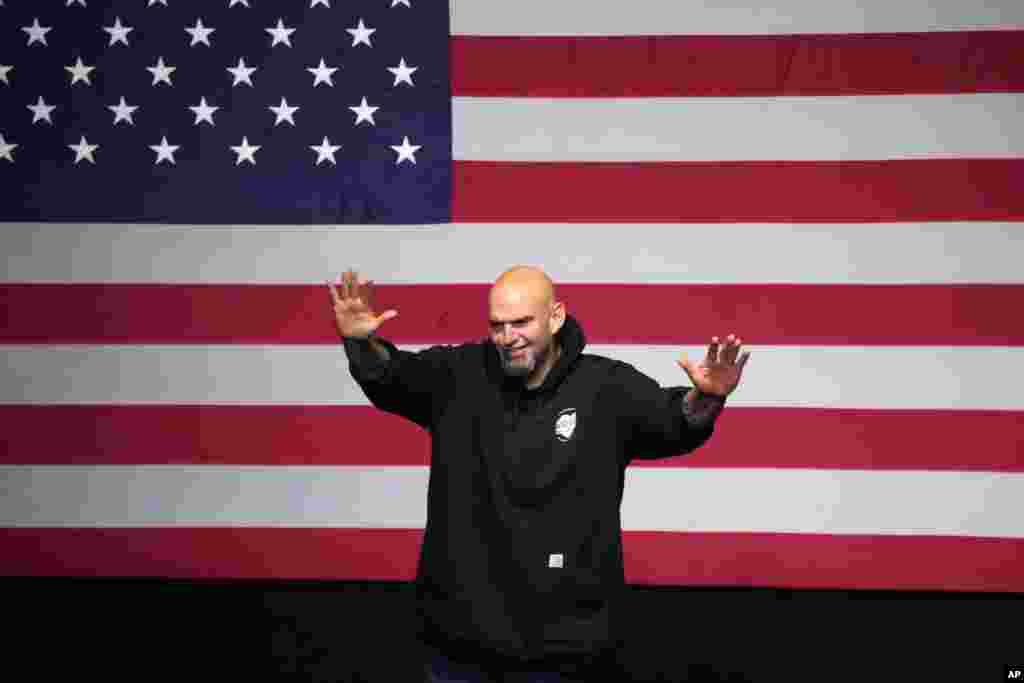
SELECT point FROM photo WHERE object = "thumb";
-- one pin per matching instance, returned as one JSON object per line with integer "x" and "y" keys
{"x": 386, "y": 315}
{"x": 686, "y": 365}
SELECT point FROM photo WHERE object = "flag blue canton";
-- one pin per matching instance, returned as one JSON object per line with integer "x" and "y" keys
{"x": 354, "y": 176}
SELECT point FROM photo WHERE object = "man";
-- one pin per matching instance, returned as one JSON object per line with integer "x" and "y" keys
{"x": 521, "y": 566}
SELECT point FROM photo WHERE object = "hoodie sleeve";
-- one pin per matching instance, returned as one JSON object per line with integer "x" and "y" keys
{"x": 407, "y": 384}
{"x": 651, "y": 418}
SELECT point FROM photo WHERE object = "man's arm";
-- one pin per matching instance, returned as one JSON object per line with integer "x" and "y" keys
{"x": 656, "y": 421}
{"x": 369, "y": 353}
{"x": 397, "y": 381}
{"x": 700, "y": 409}
{"x": 382, "y": 351}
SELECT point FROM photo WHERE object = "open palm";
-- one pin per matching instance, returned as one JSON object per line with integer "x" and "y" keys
{"x": 719, "y": 373}
{"x": 352, "y": 302}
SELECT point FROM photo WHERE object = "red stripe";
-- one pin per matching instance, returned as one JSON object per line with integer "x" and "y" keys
{"x": 719, "y": 559}
{"x": 898, "y": 190}
{"x": 362, "y": 435}
{"x": 727, "y": 66}
{"x": 825, "y": 561}
{"x": 971, "y": 314}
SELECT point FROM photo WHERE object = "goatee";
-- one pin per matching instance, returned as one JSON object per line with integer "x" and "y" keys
{"x": 514, "y": 369}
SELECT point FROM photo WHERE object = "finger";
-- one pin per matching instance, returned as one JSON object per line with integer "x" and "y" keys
{"x": 363, "y": 291}
{"x": 386, "y": 315}
{"x": 360, "y": 290}
{"x": 684, "y": 363}
{"x": 353, "y": 283}
{"x": 357, "y": 286}
{"x": 712, "y": 357}
{"x": 732, "y": 346}
{"x": 345, "y": 288}
{"x": 334, "y": 294}
{"x": 742, "y": 362}
{"x": 370, "y": 294}
{"x": 350, "y": 285}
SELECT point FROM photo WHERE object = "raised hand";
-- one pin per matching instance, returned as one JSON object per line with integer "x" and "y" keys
{"x": 352, "y": 302}
{"x": 719, "y": 373}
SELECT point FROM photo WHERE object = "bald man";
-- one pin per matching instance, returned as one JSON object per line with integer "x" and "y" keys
{"x": 520, "y": 575}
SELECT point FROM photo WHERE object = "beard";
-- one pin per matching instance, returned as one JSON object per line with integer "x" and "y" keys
{"x": 522, "y": 366}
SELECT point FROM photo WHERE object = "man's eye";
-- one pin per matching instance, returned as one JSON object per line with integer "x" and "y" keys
{"x": 497, "y": 327}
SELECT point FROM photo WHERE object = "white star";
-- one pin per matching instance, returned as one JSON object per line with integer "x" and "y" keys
{"x": 284, "y": 112}
{"x": 36, "y": 32}
{"x": 161, "y": 72}
{"x": 322, "y": 73}
{"x": 118, "y": 32}
{"x": 199, "y": 33}
{"x": 242, "y": 73}
{"x": 235, "y": 2}
{"x": 204, "y": 112}
{"x": 7, "y": 147}
{"x": 79, "y": 72}
{"x": 280, "y": 34}
{"x": 4, "y": 70}
{"x": 405, "y": 151}
{"x": 402, "y": 72}
{"x": 164, "y": 151}
{"x": 325, "y": 151}
{"x": 361, "y": 34}
{"x": 83, "y": 150}
{"x": 245, "y": 151}
{"x": 153, "y": 2}
{"x": 122, "y": 112}
{"x": 400, "y": 2}
{"x": 325, "y": 3}
{"x": 71, "y": 2}
{"x": 41, "y": 110}
{"x": 364, "y": 112}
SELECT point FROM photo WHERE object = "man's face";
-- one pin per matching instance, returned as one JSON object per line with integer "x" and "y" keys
{"x": 521, "y": 330}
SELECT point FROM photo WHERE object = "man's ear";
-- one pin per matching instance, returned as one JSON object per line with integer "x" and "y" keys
{"x": 557, "y": 317}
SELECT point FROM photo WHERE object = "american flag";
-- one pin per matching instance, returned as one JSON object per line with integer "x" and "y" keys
{"x": 838, "y": 183}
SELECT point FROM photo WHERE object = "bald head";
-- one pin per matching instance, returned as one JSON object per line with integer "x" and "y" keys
{"x": 525, "y": 283}
{"x": 524, "y": 317}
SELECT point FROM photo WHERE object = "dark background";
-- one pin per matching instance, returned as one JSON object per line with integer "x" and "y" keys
{"x": 363, "y": 631}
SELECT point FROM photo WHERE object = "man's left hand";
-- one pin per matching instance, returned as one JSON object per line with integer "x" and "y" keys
{"x": 719, "y": 373}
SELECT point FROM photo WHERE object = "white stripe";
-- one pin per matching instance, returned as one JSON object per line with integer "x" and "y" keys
{"x": 824, "y": 501}
{"x": 901, "y": 377}
{"x": 735, "y": 17}
{"x": 211, "y": 495}
{"x": 735, "y": 128}
{"x": 869, "y": 253}
{"x": 756, "y": 500}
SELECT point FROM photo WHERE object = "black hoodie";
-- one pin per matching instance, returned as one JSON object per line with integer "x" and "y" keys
{"x": 522, "y": 552}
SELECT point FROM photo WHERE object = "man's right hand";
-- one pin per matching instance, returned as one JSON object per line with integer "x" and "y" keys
{"x": 353, "y": 307}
